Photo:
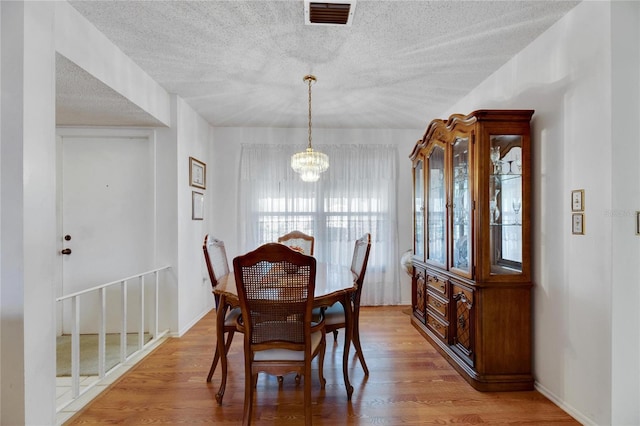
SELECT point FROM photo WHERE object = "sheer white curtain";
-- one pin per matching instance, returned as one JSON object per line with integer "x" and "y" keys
{"x": 356, "y": 195}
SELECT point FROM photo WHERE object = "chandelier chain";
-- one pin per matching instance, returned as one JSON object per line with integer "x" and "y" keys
{"x": 309, "y": 82}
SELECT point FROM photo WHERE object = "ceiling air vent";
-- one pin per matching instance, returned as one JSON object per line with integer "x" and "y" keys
{"x": 337, "y": 12}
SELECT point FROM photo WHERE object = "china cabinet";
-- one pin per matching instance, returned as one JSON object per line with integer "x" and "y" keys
{"x": 471, "y": 285}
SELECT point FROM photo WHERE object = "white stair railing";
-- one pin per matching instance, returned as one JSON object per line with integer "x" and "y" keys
{"x": 101, "y": 290}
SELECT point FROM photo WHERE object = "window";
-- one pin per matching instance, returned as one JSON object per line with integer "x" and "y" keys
{"x": 356, "y": 195}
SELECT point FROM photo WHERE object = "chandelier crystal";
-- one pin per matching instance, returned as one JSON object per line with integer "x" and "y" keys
{"x": 309, "y": 163}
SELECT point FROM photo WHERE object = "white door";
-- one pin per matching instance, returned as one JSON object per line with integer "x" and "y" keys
{"x": 107, "y": 207}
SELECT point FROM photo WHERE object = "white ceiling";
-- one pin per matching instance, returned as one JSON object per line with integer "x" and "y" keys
{"x": 241, "y": 63}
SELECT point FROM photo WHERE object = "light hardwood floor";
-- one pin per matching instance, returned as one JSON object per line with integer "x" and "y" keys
{"x": 409, "y": 384}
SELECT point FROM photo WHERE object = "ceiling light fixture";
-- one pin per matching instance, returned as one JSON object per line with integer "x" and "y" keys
{"x": 309, "y": 163}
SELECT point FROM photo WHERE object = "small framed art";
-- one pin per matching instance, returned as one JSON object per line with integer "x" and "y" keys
{"x": 197, "y": 173}
{"x": 197, "y": 205}
{"x": 577, "y": 224}
{"x": 577, "y": 200}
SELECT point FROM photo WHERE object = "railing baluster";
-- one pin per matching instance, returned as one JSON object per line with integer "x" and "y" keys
{"x": 102, "y": 346}
{"x": 75, "y": 346}
{"x": 74, "y": 299}
{"x": 156, "y": 303}
{"x": 123, "y": 330}
{"x": 141, "y": 332}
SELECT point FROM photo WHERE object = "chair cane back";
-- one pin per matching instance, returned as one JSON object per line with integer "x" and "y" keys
{"x": 298, "y": 240}
{"x": 276, "y": 288}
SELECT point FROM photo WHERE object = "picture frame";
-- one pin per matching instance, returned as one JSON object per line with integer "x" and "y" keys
{"x": 197, "y": 205}
{"x": 197, "y": 173}
{"x": 577, "y": 200}
{"x": 577, "y": 224}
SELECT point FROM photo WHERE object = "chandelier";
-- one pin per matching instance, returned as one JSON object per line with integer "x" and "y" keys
{"x": 309, "y": 163}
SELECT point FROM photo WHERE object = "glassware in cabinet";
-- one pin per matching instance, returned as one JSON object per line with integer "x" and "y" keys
{"x": 436, "y": 204}
{"x": 418, "y": 209}
{"x": 505, "y": 204}
{"x": 461, "y": 207}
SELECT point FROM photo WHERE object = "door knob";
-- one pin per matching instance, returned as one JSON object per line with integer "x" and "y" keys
{"x": 66, "y": 251}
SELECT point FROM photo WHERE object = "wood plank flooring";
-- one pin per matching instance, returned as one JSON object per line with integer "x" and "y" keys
{"x": 409, "y": 384}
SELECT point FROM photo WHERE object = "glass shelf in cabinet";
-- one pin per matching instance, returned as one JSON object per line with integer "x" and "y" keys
{"x": 506, "y": 176}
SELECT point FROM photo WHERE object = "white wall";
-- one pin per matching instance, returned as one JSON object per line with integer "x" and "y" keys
{"x": 566, "y": 76}
{"x": 28, "y": 219}
{"x": 11, "y": 220}
{"x": 225, "y": 159}
{"x": 625, "y": 201}
{"x": 12, "y": 360}
{"x": 194, "y": 136}
{"x": 167, "y": 216}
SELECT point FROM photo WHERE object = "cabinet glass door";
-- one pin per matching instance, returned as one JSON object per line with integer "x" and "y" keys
{"x": 418, "y": 209}
{"x": 436, "y": 214}
{"x": 462, "y": 203}
{"x": 505, "y": 204}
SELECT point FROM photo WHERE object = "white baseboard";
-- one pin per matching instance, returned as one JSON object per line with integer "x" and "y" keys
{"x": 564, "y": 406}
{"x": 193, "y": 322}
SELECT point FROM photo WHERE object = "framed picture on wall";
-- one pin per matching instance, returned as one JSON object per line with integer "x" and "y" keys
{"x": 197, "y": 173}
{"x": 577, "y": 223}
{"x": 197, "y": 205}
{"x": 577, "y": 200}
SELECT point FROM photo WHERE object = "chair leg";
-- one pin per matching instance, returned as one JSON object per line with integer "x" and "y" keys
{"x": 335, "y": 336}
{"x": 307, "y": 393}
{"x": 216, "y": 356}
{"x": 323, "y": 348}
{"x": 249, "y": 380}
{"x": 356, "y": 344}
{"x": 358, "y": 347}
{"x": 230, "y": 334}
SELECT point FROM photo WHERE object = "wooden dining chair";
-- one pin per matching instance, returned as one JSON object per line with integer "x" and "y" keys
{"x": 335, "y": 315}
{"x": 215, "y": 257}
{"x": 275, "y": 288}
{"x": 300, "y": 240}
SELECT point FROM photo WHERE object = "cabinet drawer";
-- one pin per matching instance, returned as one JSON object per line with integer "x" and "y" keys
{"x": 437, "y": 304}
{"x": 437, "y": 283}
{"x": 437, "y": 327}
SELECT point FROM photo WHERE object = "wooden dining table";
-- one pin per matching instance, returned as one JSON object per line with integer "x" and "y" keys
{"x": 334, "y": 283}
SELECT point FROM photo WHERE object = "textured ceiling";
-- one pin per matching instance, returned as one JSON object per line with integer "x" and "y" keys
{"x": 241, "y": 63}
{"x": 83, "y": 100}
